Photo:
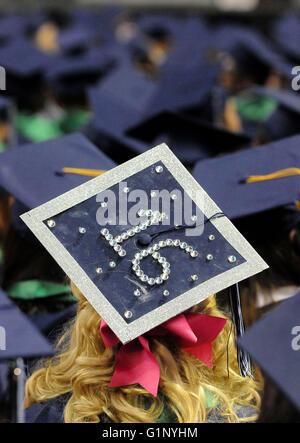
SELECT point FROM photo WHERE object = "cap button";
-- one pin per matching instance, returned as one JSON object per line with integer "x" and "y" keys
{"x": 144, "y": 239}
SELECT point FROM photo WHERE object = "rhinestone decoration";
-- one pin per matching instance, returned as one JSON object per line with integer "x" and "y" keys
{"x": 127, "y": 314}
{"x": 211, "y": 237}
{"x": 173, "y": 196}
{"x": 51, "y": 223}
{"x": 232, "y": 259}
{"x": 137, "y": 292}
{"x": 153, "y": 194}
{"x": 209, "y": 257}
{"x": 103, "y": 205}
{"x": 126, "y": 190}
{"x": 112, "y": 264}
{"x": 194, "y": 277}
{"x": 166, "y": 267}
{"x": 166, "y": 293}
{"x": 99, "y": 270}
{"x": 194, "y": 218}
{"x": 159, "y": 169}
{"x": 82, "y": 230}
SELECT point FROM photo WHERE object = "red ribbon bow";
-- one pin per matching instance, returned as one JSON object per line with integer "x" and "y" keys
{"x": 194, "y": 333}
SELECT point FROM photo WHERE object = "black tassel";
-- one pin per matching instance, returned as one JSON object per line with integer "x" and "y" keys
{"x": 237, "y": 319}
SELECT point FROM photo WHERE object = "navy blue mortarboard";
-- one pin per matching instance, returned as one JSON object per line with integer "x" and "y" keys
{"x": 18, "y": 336}
{"x": 13, "y": 26}
{"x": 121, "y": 99}
{"x": 286, "y": 33}
{"x": 34, "y": 173}
{"x": 76, "y": 39}
{"x": 70, "y": 76}
{"x": 274, "y": 343}
{"x": 143, "y": 242}
{"x": 284, "y": 121}
{"x": 254, "y": 180}
{"x": 191, "y": 139}
{"x": 161, "y": 26}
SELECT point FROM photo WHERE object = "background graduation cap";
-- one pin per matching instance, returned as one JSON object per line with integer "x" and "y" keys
{"x": 284, "y": 120}
{"x": 138, "y": 276}
{"x": 273, "y": 342}
{"x": 191, "y": 139}
{"x": 19, "y": 339}
{"x": 33, "y": 173}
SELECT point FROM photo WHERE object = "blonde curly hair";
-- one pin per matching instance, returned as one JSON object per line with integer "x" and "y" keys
{"x": 83, "y": 368}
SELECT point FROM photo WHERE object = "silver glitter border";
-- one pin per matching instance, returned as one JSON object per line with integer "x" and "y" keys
{"x": 126, "y": 332}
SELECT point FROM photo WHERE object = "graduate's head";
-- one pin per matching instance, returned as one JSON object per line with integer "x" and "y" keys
{"x": 83, "y": 368}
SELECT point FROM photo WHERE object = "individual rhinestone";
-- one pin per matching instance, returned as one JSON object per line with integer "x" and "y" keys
{"x": 112, "y": 242}
{"x": 118, "y": 239}
{"x": 51, "y": 223}
{"x": 141, "y": 212}
{"x": 176, "y": 242}
{"x": 148, "y": 222}
{"x": 209, "y": 257}
{"x": 156, "y": 255}
{"x": 109, "y": 237}
{"x": 194, "y": 277}
{"x": 166, "y": 293}
{"x": 137, "y": 229}
{"x": 136, "y": 268}
{"x": 127, "y": 314}
{"x": 135, "y": 261}
{"x": 211, "y": 237}
{"x": 144, "y": 253}
{"x": 164, "y": 276}
{"x": 81, "y": 230}
{"x": 173, "y": 196}
{"x": 99, "y": 270}
{"x": 167, "y": 271}
{"x": 122, "y": 253}
{"x": 150, "y": 250}
{"x": 104, "y": 231}
{"x": 124, "y": 236}
{"x": 149, "y": 212}
{"x": 183, "y": 245}
{"x": 162, "y": 260}
{"x": 151, "y": 281}
{"x": 117, "y": 248}
{"x": 189, "y": 249}
{"x": 162, "y": 244}
{"x": 126, "y": 190}
{"x": 153, "y": 194}
{"x": 177, "y": 226}
{"x": 169, "y": 242}
{"x": 112, "y": 264}
{"x": 194, "y": 254}
{"x": 166, "y": 265}
{"x": 159, "y": 169}
{"x": 143, "y": 226}
{"x": 156, "y": 247}
{"x": 232, "y": 259}
{"x": 194, "y": 218}
{"x": 137, "y": 292}
{"x": 131, "y": 233}
{"x": 144, "y": 277}
{"x": 139, "y": 273}
{"x": 158, "y": 280}
{"x": 103, "y": 205}
{"x": 138, "y": 256}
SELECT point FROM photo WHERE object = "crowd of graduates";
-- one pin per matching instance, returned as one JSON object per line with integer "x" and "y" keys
{"x": 91, "y": 88}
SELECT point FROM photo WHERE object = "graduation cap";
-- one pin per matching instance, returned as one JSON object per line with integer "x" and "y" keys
{"x": 76, "y": 39}
{"x": 138, "y": 264}
{"x": 34, "y": 173}
{"x": 191, "y": 139}
{"x": 25, "y": 76}
{"x": 18, "y": 336}
{"x": 161, "y": 26}
{"x": 70, "y": 76}
{"x": 283, "y": 122}
{"x": 255, "y": 181}
{"x": 121, "y": 99}
{"x": 12, "y": 26}
{"x": 286, "y": 33}
{"x": 273, "y": 343}
{"x": 252, "y": 52}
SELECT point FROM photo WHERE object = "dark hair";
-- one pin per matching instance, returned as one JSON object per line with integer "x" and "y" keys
{"x": 276, "y": 407}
